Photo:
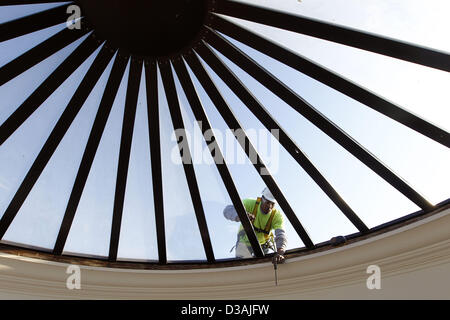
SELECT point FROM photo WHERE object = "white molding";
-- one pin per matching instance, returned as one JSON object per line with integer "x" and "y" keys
{"x": 410, "y": 258}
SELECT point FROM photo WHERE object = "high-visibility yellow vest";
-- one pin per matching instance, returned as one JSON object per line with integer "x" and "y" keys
{"x": 268, "y": 226}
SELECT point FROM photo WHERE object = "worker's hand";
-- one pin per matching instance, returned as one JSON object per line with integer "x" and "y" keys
{"x": 279, "y": 256}
{"x": 251, "y": 217}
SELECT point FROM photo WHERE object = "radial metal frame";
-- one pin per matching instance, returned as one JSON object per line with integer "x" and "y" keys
{"x": 180, "y": 62}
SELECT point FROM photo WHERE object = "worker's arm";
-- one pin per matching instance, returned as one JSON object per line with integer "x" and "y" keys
{"x": 280, "y": 240}
{"x": 230, "y": 213}
{"x": 280, "y": 237}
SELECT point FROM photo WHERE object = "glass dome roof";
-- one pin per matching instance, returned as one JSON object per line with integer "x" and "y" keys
{"x": 127, "y": 127}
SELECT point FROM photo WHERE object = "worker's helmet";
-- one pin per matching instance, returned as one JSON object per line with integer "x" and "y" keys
{"x": 268, "y": 195}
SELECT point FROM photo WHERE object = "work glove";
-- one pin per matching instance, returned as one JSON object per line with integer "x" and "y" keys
{"x": 278, "y": 257}
{"x": 251, "y": 217}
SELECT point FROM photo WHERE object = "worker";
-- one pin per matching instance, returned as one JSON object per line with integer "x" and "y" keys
{"x": 264, "y": 218}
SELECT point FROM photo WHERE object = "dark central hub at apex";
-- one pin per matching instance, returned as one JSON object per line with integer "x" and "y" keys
{"x": 146, "y": 27}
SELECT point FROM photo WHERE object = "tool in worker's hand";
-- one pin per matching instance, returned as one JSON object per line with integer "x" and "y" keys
{"x": 273, "y": 246}
{"x": 275, "y": 267}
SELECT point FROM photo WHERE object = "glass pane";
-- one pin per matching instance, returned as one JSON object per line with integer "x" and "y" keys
{"x": 15, "y": 47}
{"x": 9, "y": 13}
{"x": 38, "y": 221}
{"x": 18, "y": 153}
{"x": 183, "y": 239}
{"x": 212, "y": 190}
{"x": 387, "y": 139}
{"x": 16, "y": 91}
{"x": 91, "y": 228}
{"x": 416, "y": 88}
{"x": 138, "y": 230}
{"x": 425, "y": 23}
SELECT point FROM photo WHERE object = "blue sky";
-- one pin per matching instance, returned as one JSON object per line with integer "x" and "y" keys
{"x": 420, "y": 161}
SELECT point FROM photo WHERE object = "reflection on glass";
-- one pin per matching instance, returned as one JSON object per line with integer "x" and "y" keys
{"x": 138, "y": 230}
{"x": 38, "y": 221}
{"x": 91, "y": 227}
{"x": 183, "y": 239}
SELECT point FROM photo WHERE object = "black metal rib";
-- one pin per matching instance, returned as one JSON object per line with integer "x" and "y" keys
{"x": 134, "y": 79}
{"x": 339, "y": 34}
{"x": 155, "y": 154}
{"x": 57, "y": 134}
{"x": 39, "y": 53}
{"x": 201, "y": 117}
{"x": 267, "y": 120}
{"x": 314, "y": 116}
{"x": 246, "y": 145}
{"x": 53, "y": 81}
{"x": 98, "y": 128}
{"x": 32, "y": 23}
{"x": 332, "y": 80}
{"x": 177, "y": 120}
